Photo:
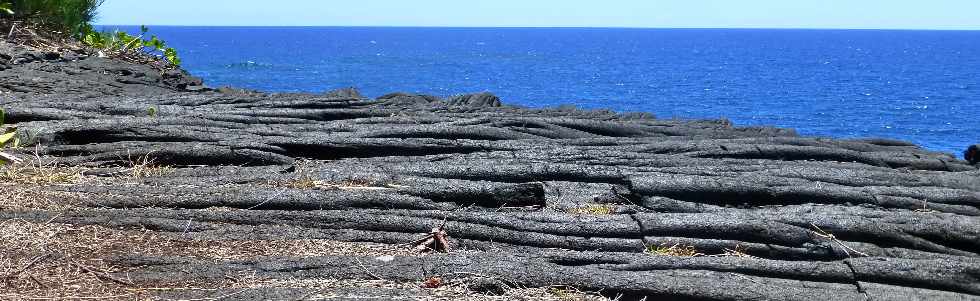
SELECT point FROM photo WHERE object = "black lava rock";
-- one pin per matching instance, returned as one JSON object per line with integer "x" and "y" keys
{"x": 480, "y": 100}
{"x": 625, "y": 204}
{"x": 972, "y": 154}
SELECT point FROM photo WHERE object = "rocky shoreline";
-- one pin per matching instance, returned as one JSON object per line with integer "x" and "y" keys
{"x": 624, "y": 205}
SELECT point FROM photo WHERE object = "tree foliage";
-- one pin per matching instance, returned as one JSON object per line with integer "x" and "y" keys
{"x": 67, "y": 16}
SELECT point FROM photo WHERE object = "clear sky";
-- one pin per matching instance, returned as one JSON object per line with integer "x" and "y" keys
{"x": 885, "y": 14}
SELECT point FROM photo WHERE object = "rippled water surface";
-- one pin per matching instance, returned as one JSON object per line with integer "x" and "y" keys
{"x": 921, "y": 86}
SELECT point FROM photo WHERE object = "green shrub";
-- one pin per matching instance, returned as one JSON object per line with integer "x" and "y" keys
{"x": 120, "y": 42}
{"x": 73, "y": 17}
{"x": 67, "y": 16}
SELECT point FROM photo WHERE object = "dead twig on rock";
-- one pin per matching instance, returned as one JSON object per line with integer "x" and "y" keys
{"x": 10, "y": 34}
{"x": 361, "y": 264}
{"x": 738, "y": 251}
{"x": 821, "y": 233}
{"x": 9, "y": 158}
{"x": 437, "y": 240}
{"x": 265, "y": 201}
{"x": 33, "y": 262}
{"x": 101, "y": 274}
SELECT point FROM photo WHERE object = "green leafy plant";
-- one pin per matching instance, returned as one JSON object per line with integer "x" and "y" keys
{"x": 119, "y": 42}
{"x": 171, "y": 55}
{"x": 66, "y": 16}
{"x": 9, "y": 137}
{"x": 152, "y": 111}
{"x": 6, "y": 8}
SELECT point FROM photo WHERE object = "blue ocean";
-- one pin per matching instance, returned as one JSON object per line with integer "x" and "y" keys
{"x": 920, "y": 86}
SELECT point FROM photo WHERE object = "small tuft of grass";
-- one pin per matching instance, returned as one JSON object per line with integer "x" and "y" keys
{"x": 738, "y": 251}
{"x": 301, "y": 183}
{"x": 677, "y": 250}
{"x": 598, "y": 209}
{"x": 23, "y": 185}
{"x": 37, "y": 172}
{"x": 307, "y": 182}
{"x": 562, "y": 293}
{"x": 146, "y": 166}
{"x": 569, "y": 293}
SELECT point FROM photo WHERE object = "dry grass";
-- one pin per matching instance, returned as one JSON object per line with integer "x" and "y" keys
{"x": 674, "y": 250}
{"x": 300, "y": 183}
{"x": 738, "y": 251}
{"x": 45, "y": 261}
{"x": 24, "y": 185}
{"x": 63, "y": 261}
{"x": 56, "y": 261}
{"x": 53, "y": 261}
{"x": 33, "y": 36}
{"x": 306, "y": 182}
{"x": 145, "y": 166}
{"x": 16, "y": 197}
{"x": 39, "y": 183}
{"x": 567, "y": 293}
{"x": 456, "y": 289}
{"x": 598, "y": 209}
{"x": 39, "y": 172}
{"x": 833, "y": 238}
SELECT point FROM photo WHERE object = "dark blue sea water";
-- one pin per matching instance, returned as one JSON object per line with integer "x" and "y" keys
{"x": 922, "y": 86}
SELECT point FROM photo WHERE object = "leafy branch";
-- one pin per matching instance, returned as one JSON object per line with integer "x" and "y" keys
{"x": 6, "y": 8}
{"x": 121, "y": 43}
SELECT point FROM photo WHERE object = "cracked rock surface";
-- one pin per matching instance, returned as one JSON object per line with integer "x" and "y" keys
{"x": 530, "y": 198}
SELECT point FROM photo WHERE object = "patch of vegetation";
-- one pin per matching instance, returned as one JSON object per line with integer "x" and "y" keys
{"x": 307, "y": 182}
{"x": 673, "y": 250}
{"x": 69, "y": 17}
{"x": 145, "y": 166}
{"x": 8, "y": 137}
{"x": 738, "y": 251}
{"x": 38, "y": 172}
{"x": 570, "y": 293}
{"x": 72, "y": 19}
{"x": 301, "y": 183}
{"x": 120, "y": 43}
{"x": 6, "y": 8}
{"x": 598, "y": 209}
